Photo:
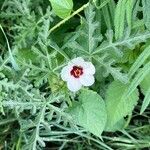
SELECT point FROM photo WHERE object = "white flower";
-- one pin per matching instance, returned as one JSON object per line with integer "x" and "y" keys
{"x": 77, "y": 73}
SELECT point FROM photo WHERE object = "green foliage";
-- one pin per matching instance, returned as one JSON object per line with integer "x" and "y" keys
{"x": 85, "y": 39}
{"x": 146, "y": 12}
{"x": 145, "y": 87}
{"x": 146, "y": 101}
{"x": 14, "y": 64}
{"x": 120, "y": 18}
{"x": 62, "y": 8}
{"x": 118, "y": 107}
{"x": 139, "y": 62}
{"x": 90, "y": 112}
{"x": 124, "y": 16}
{"x": 143, "y": 72}
{"x": 105, "y": 13}
{"x": 145, "y": 84}
{"x": 35, "y": 44}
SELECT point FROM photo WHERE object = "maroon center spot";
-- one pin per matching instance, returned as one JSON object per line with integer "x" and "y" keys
{"x": 76, "y": 71}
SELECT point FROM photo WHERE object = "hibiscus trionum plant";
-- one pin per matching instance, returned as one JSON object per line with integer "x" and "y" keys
{"x": 74, "y": 74}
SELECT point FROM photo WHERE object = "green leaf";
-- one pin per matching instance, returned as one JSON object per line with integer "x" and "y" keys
{"x": 90, "y": 112}
{"x": 145, "y": 87}
{"x": 27, "y": 55}
{"x": 146, "y": 101}
{"x": 62, "y": 8}
{"x": 117, "y": 107}
{"x": 129, "y": 12}
{"x": 118, "y": 126}
{"x": 146, "y": 12}
{"x": 12, "y": 60}
{"x": 137, "y": 80}
{"x": 119, "y": 20}
{"x": 145, "y": 84}
{"x": 123, "y": 15}
{"x": 140, "y": 60}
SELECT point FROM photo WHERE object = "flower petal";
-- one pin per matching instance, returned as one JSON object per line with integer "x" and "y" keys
{"x": 89, "y": 68}
{"x": 74, "y": 85}
{"x": 79, "y": 61}
{"x": 87, "y": 80}
{"x": 65, "y": 73}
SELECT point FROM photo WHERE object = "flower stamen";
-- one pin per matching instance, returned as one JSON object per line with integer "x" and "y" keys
{"x": 76, "y": 71}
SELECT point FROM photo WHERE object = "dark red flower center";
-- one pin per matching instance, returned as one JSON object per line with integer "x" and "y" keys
{"x": 76, "y": 71}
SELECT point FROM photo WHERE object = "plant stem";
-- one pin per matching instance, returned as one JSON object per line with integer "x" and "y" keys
{"x": 69, "y": 17}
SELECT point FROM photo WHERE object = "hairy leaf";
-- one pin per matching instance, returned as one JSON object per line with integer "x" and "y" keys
{"x": 90, "y": 112}
{"x": 118, "y": 107}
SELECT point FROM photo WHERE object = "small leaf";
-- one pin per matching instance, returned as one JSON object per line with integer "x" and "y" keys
{"x": 90, "y": 112}
{"x": 62, "y": 8}
{"x": 118, "y": 107}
